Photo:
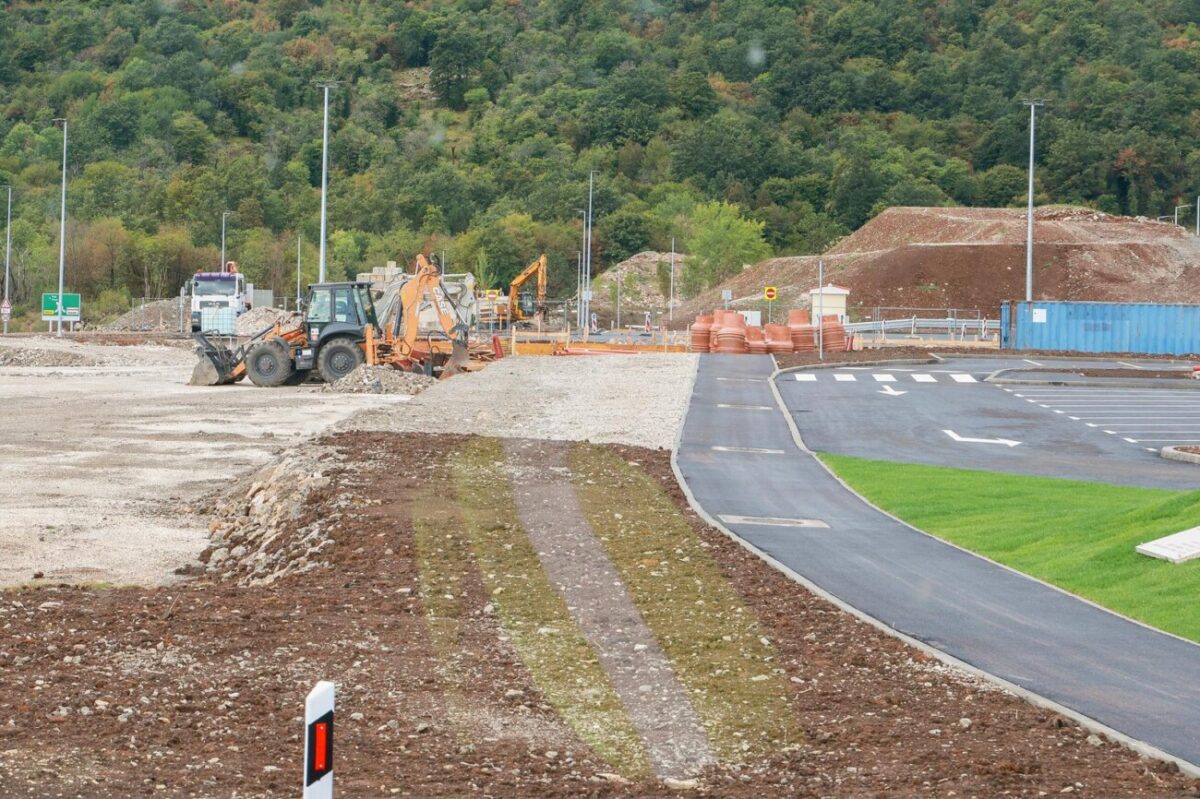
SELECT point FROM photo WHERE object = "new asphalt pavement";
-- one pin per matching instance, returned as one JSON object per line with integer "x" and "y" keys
{"x": 739, "y": 460}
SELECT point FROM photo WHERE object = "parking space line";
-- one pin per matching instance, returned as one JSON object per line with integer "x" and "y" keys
{"x": 749, "y": 450}
{"x": 745, "y": 407}
{"x": 885, "y": 378}
{"x": 1035, "y": 363}
{"x": 1131, "y": 440}
{"x": 845, "y": 378}
{"x": 806, "y": 377}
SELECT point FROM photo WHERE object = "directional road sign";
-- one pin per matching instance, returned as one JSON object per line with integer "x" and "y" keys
{"x": 71, "y": 307}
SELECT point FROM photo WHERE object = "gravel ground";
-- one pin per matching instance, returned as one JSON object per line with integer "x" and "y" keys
{"x": 367, "y": 379}
{"x": 49, "y": 351}
{"x": 626, "y": 399}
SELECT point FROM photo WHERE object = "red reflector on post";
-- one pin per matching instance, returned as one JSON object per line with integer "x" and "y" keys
{"x": 320, "y": 742}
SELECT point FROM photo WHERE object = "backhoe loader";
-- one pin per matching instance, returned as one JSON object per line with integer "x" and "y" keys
{"x": 339, "y": 332}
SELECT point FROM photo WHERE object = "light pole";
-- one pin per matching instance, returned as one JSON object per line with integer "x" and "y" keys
{"x": 587, "y": 256}
{"x": 62, "y": 229}
{"x": 224, "y": 215}
{"x": 671, "y": 298}
{"x": 299, "y": 241}
{"x": 1198, "y": 216}
{"x": 324, "y": 178}
{"x": 1033, "y": 105}
{"x": 7, "y": 256}
{"x": 578, "y": 287}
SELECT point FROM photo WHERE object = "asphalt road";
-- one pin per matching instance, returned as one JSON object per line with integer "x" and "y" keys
{"x": 737, "y": 457}
{"x": 922, "y": 413}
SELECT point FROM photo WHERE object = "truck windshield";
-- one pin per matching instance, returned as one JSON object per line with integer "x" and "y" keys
{"x": 215, "y": 287}
{"x": 364, "y": 298}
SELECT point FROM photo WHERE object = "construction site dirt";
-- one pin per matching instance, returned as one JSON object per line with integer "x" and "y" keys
{"x": 196, "y": 689}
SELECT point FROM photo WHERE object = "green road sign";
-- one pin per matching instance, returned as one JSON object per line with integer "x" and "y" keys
{"x": 71, "y": 307}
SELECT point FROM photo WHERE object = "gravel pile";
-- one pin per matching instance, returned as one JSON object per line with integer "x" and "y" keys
{"x": 157, "y": 315}
{"x": 625, "y": 399}
{"x": 258, "y": 319}
{"x": 31, "y": 356}
{"x": 368, "y": 379}
{"x": 258, "y": 535}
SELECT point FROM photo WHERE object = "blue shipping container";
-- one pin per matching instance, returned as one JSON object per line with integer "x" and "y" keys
{"x": 1139, "y": 327}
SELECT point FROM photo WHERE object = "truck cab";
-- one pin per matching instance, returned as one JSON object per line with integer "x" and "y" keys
{"x": 218, "y": 299}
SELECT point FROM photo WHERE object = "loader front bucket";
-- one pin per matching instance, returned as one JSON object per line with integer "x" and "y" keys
{"x": 457, "y": 360}
{"x": 215, "y": 364}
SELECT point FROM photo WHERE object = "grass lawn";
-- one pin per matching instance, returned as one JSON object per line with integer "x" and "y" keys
{"x": 1077, "y": 535}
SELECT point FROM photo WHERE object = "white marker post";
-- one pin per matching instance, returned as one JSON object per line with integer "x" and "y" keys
{"x": 318, "y": 742}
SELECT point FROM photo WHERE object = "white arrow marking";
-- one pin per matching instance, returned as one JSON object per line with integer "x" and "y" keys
{"x": 891, "y": 392}
{"x": 1008, "y": 442}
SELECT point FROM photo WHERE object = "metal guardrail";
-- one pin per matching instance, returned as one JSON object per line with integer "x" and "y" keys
{"x": 915, "y": 325}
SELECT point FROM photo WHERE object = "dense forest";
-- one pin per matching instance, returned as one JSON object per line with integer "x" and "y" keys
{"x": 739, "y": 128}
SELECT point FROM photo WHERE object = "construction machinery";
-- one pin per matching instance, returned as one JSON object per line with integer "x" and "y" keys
{"x": 522, "y": 305}
{"x": 340, "y": 331}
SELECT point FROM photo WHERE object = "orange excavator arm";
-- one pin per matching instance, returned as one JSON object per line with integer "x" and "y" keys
{"x": 538, "y": 268}
{"x": 424, "y": 285}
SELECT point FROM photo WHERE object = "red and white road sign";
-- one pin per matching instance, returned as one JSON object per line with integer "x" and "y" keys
{"x": 769, "y": 293}
{"x": 5, "y": 310}
{"x": 318, "y": 742}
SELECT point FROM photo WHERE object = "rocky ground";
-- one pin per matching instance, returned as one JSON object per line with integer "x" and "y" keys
{"x": 367, "y": 379}
{"x": 196, "y": 689}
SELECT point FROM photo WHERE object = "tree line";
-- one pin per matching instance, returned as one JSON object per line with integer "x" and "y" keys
{"x": 741, "y": 128}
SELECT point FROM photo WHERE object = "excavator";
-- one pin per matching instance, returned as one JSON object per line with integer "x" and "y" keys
{"x": 521, "y": 305}
{"x": 340, "y": 331}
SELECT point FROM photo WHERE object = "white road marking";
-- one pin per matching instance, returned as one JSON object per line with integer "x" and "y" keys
{"x": 1035, "y": 363}
{"x": 745, "y": 407}
{"x": 1040, "y": 405}
{"x": 1073, "y": 418}
{"x": 1008, "y": 442}
{"x": 1168, "y": 440}
{"x": 771, "y": 521}
{"x": 1110, "y": 432}
{"x": 1131, "y": 440}
{"x": 845, "y": 378}
{"x": 963, "y": 379}
{"x": 1089, "y": 424}
{"x": 884, "y": 378}
{"x": 749, "y": 450}
{"x": 743, "y": 379}
{"x": 891, "y": 392}
{"x": 924, "y": 378}
{"x": 806, "y": 377}
{"x": 1057, "y": 411}
{"x": 1130, "y": 365}
{"x": 1022, "y": 396}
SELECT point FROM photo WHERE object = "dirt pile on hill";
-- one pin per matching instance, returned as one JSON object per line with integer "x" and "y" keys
{"x": 367, "y": 379}
{"x": 153, "y": 316}
{"x": 256, "y": 320}
{"x": 974, "y": 258}
{"x": 641, "y": 287}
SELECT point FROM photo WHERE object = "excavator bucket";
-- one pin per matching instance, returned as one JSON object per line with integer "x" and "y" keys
{"x": 215, "y": 365}
{"x": 457, "y": 361}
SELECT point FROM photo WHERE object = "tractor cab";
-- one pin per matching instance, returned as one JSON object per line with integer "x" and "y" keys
{"x": 339, "y": 309}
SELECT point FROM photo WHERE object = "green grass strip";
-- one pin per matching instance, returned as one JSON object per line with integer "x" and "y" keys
{"x": 534, "y": 615}
{"x": 1077, "y": 535}
{"x": 713, "y": 641}
{"x": 440, "y": 543}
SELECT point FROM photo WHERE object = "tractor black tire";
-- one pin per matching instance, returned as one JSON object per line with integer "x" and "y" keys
{"x": 269, "y": 365}
{"x": 339, "y": 358}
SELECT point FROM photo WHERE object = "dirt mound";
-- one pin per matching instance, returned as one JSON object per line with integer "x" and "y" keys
{"x": 974, "y": 258}
{"x": 641, "y": 288}
{"x": 33, "y": 356}
{"x": 156, "y": 315}
{"x": 256, "y": 320}
{"x": 367, "y": 379}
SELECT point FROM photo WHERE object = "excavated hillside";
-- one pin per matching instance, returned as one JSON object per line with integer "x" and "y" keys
{"x": 974, "y": 258}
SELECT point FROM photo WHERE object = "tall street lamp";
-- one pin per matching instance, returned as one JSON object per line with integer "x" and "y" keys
{"x": 224, "y": 216}
{"x": 62, "y": 228}
{"x": 7, "y": 258}
{"x": 1033, "y": 106}
{"x": 324, "y": 177}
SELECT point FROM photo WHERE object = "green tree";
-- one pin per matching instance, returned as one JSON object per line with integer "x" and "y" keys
{"x": 720, "y": 241}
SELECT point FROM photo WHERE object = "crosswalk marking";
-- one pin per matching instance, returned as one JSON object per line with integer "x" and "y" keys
{"x": 885, "y": 378}
{"x": 924, "y": 378}
{"x": 845, "y": 378}
{"x": 881, "y": 377}
{"x": 806, "y": 377}
{"x": 962, "y": 379}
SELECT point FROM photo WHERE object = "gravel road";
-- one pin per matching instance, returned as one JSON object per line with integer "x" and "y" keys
{"x": 626, "y": 399}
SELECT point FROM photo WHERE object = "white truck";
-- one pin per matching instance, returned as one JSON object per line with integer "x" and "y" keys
{"x": 218, "y": 299}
